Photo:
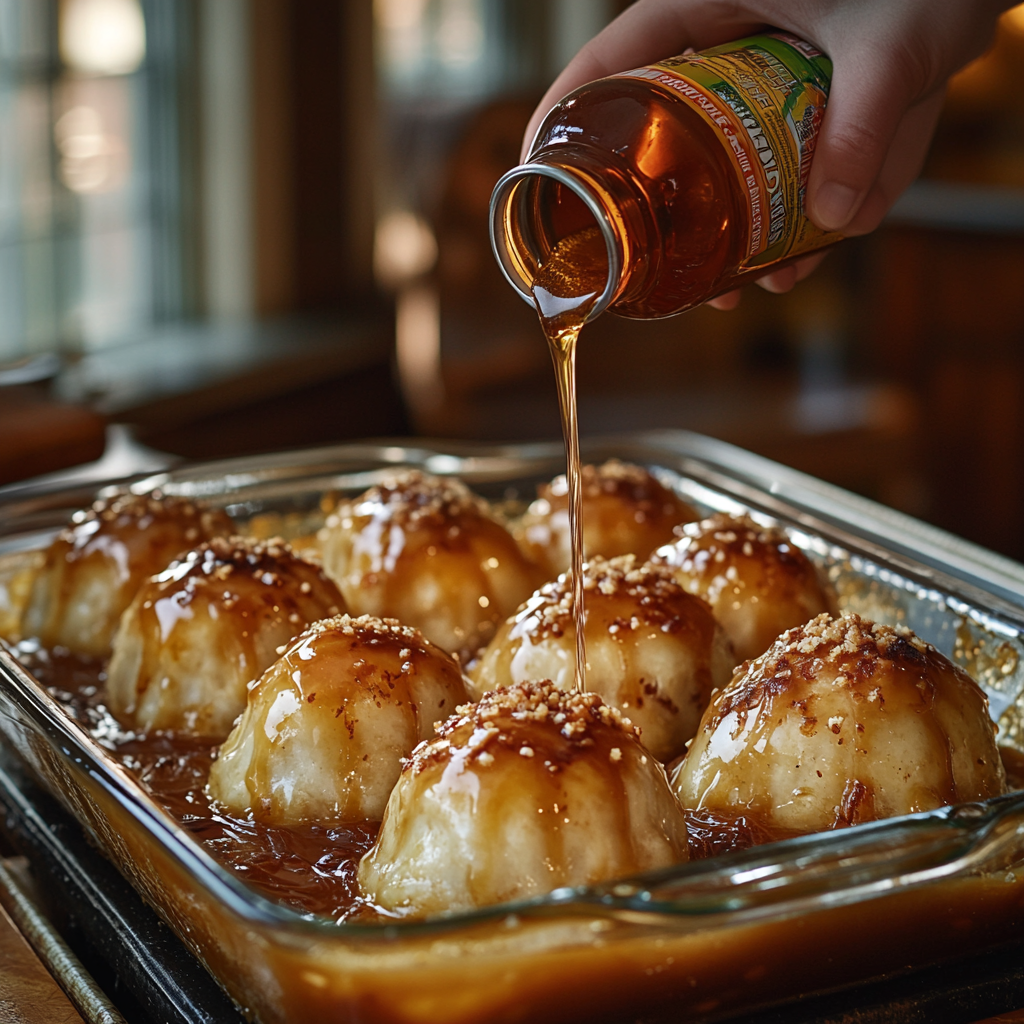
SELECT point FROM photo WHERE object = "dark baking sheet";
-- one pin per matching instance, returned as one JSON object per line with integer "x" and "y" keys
{"x": 153, "y": 979}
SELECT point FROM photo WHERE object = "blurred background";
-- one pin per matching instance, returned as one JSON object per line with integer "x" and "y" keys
{"x": 233, "y": 226}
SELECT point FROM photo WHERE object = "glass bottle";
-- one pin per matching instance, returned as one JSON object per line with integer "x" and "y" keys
{"x": 693, "y": 169}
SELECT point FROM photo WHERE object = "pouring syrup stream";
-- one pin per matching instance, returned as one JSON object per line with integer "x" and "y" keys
{"x": 564, "y": 292}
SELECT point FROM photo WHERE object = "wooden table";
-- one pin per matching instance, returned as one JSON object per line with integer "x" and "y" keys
{"x": 28, "y": 993}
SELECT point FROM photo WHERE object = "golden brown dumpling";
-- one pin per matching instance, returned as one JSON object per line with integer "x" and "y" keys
{"x": 327, "y": 726}
{"x": 100, "y": 560}
{"x": 527, "y": 791}
{"x": 758, "y": 583}
{"x": 425, "y": 551}
{"x": 626, "y": 510}
{"x": 842, "y": 721}
{"x": 653, "y": 650}
{"x": 199, "y": 632}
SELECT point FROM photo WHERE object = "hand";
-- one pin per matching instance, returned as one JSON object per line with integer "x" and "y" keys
{"x": 891, "y": 61}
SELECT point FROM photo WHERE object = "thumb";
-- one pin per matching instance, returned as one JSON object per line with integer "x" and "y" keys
{"x": 865, "y": 106}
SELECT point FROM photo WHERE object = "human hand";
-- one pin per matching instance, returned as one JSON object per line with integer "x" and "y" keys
{"x": 891, "y": 61}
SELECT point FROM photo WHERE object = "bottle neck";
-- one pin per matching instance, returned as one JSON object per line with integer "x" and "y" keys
{"x": 538, "y": 204}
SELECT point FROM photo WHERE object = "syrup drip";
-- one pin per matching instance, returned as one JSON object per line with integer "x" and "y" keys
{"x": 565, "y": 291}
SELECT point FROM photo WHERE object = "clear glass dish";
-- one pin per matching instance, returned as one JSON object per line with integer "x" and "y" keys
{"x": 700, "y": 940}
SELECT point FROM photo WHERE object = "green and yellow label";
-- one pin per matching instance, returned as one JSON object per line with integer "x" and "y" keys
{"x": 765, "y": 96}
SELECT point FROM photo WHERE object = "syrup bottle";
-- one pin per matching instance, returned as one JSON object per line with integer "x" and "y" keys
{"x": 692, "y": 171}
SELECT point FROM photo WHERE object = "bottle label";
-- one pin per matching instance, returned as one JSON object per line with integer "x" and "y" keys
{"x": 765, "y": 96}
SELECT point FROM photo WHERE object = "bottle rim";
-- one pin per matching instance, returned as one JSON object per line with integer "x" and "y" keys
{"x": 512, "y": 269}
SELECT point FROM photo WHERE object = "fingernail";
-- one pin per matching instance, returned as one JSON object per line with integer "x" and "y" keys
{"x": 779, "y": 282}
{"x": 835, "y": 205}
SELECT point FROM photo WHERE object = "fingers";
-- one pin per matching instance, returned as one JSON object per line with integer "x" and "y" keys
{"x": 902, "y": 164}
{"x": 777, "y": 282}
{"x": 783, "y": 280}
{"x": 730, "y": 300}
{"x": 865, "y": 109}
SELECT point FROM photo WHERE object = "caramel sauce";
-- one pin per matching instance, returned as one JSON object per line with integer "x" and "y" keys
{"x": 565, "y": 291}
{"x": 310, "y": 868}
{"x": 709, "y": 834}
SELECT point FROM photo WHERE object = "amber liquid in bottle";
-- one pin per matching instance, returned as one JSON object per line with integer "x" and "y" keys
{"x": 564, "y": 292}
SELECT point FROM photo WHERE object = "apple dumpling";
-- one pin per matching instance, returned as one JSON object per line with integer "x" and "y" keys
{"x": 327, "y": 725}
{"x": 98, "y": 562}
{"x": 529, "y": 790}
{"x": 654, "y": 651}
{"x": 758, "y": 583}
{"x": 842, "y": 721}
{"x": 199, "y": 632}
{"x": 626, "y": 511}
{"x": 426, "y": 551}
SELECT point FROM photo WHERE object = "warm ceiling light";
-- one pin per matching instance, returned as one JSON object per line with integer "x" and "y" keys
{"x": 102, "y": 37}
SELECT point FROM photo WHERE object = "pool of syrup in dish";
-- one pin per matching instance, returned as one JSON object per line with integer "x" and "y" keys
{"x": 311, "y": 868}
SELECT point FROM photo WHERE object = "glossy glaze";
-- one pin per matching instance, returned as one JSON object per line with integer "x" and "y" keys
{"x": 526, "y": 791}
{"x": 758, "y": 583}
{"x": 842, "y": 721}
{"x": 98, "y": 562}
{"x": 653, "y": 650}
{"x": 626, "y": 510}
{"x": 198, "y": 633}
{"x": 426, "y": 551}
{"x": 327, "y": 725}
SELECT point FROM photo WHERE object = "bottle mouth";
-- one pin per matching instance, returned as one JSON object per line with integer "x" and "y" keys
{"x": 524, "y": 232}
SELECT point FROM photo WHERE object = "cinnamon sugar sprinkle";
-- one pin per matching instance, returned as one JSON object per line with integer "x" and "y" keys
{"x": 630, "y": 482}
{"x": 723, "y": 536}
{"x": 832, "y": 639}
{"x": 127, "y": 506}
{"x": 220, "y": 557}
{"x": 653, "y": 588}
{"x": 368, "y": 629}
{"x": 499, "y": 716}
{"x": 413, "y": 497}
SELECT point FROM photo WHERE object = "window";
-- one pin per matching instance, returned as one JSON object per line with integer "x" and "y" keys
{"x": 92, "y": 164}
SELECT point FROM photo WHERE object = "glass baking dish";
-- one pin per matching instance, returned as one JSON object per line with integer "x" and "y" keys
{"x": 698, "y": 941}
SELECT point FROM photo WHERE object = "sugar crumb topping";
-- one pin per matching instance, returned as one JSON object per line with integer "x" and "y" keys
{"x": 501, "y": 715}
{"x": 724, "y": 536}
{"x": 653, "y": 589}
{"x": 629, "y": 482}
{"x": 412, "y": 497}
{"x": 832, "y": 639}
{"x": 367, "y": 627}
{"x": 221, "y": 557}
{"x": 126, "y": 506}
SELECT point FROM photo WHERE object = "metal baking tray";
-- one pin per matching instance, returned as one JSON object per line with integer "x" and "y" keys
{"x": 698, "y": 941}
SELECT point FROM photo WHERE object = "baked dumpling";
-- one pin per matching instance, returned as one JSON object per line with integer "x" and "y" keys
{"x": 653, "y": 651}
{"x": 199, "y": 632}
{"x": 100, "y": 560}
{"x": 758, "y": 583}
{"x": 842, "y": 721}
{"x": 326, "y": 727}
{"x": 528, "y": 790}
{"x": 426, "y": 551}
{"x": 626, "y": 511}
